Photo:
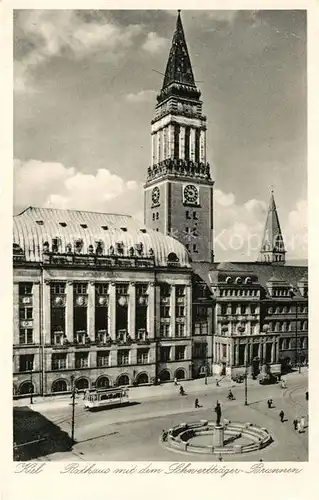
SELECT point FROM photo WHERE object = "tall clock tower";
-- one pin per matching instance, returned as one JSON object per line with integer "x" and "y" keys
{"x": 178, "y": 193}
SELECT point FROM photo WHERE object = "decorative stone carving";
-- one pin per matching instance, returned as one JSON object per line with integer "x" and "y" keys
{"x": 102, "y": 300}
{"x": 122, "y": 301}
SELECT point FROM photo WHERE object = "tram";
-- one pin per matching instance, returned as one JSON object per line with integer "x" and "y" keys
{"x": 102, "y": 398}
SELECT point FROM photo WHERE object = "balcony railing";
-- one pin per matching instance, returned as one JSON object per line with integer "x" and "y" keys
{"x": 87, "y": 260}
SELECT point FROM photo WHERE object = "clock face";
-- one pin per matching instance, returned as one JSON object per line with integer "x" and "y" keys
{"x": 155, "y": 195}
{"x": 191, "y": 193}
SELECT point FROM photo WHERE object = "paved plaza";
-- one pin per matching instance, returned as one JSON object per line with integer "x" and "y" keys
{"x": 133, "y": 433}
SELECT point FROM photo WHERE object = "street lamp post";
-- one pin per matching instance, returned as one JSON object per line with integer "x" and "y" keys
{"x": 73, "y": 408}
{"x": 292, "y": 295}
{"x": 246, "y": 401}
{"x": 31, "y": 387}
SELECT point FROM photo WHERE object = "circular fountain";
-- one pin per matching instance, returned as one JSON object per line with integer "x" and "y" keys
{"x": 209, "y": 438}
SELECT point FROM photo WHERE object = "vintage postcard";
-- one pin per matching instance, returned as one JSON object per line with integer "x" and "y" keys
{"x": 159, "y": 244}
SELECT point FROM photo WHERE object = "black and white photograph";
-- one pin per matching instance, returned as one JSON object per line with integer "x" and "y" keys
{"x": 159, "y": 248}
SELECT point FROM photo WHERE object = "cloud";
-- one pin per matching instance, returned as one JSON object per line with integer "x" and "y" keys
{"x": 142, "y": 96}
{"x": 52, "y": 33}
{"x": 239, "y": 228}
{"x": 48, "y": 184}
{"x": 154, "y": 43}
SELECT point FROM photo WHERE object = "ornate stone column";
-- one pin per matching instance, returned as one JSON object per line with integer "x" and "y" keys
{"x": 202, "y": 146}
{"x": 131, "y": 309}
{"x": 46, "y": 304}
{"x": 188, "y": 310}
{"x": 16, "y": 317}
{"x": 153, "y": 142}
{"x": 91, "y": 311}
{"x": 157, "y": 310}
{"x": 182, "y": 143}
{"x": 192, "y": 136}
{"x": 159, "y": 145}
{"x": 112, "y": 311}
{"x": 151, "y": 310}
{"x": 36, "y": 313}
{"x": 173, "y": 310}
{"x": 237, "y": 353}
{"x": 69, "y": 311}
{"x": 171, "y": 141}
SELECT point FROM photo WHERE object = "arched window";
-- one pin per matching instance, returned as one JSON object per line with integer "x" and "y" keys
{"x": 26, "y": 388}
{"x": 180, "y": 374}
{"x": 103, "y": 382}
{"x": 142, "y": 378}
{"x": 82, "y": 383}
{"x": 59, "y": 386}
{"x": 123, "y": 380}
{"x": 165, "y": 376}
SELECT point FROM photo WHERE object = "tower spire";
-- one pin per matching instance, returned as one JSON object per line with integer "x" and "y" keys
{"x": 272, "y": 247}
{"x": 179, "y": 73}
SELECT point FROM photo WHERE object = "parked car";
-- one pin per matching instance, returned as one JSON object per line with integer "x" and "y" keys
{"x": 238, "y": 378}
{"x": 268, "y": 379}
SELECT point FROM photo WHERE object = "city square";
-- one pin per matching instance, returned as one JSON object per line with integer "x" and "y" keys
{"x": 134, "y": 432}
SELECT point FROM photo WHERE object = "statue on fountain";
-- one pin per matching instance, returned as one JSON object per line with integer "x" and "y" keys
{"x": 218, "y": 411}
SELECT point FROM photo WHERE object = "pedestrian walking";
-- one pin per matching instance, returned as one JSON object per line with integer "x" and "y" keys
{"x": 269, "y": 403}
{"x": 175, "y": 381}
{"x": 299, "y": 427}
{"x": 196, "y": 403}
{"x": 302, "y": 424}
{"x": 307, "y": 395}
{"x": 295, "y": 423}
{"x": 282, "y": 415}
{"x": 217, "y": 383}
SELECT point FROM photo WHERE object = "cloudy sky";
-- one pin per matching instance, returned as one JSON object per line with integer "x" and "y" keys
{"x": 85, "y": 91}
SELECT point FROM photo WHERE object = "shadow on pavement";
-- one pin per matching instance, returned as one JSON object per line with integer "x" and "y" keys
{"x": 43, "y": 435}
{"x": 110, "y": 407}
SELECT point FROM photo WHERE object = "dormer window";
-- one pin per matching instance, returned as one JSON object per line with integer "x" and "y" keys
{"x": 105, "y": 228}
{"x": 78, "y": 245}
{"x": 247, "y": 280}
{"x": 124, "y": 229}
{"x": 120, "y": 247}
{"x": 143, "y": 230}
{"x": 46, "y": 247}
{"x": 99, "y": 248}
{"x": 56, "y": 242}
{"x": 84, "y": 226}
{"x": 228, "y": 279}
{"x": 68, "y": 248}
{"x": 63, "y": 224}
{"x": 238, "y": 280}
{"x": 90, "y": 250}
{"x": 139, "y": 248}
{"x": 40, "y": 222}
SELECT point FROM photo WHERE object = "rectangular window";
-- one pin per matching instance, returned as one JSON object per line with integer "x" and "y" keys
{"x": 141, "y": 289}
{"x": 26, "y": 362}
{"x": 57, "y": 288}
{"x": 121, "y": 289}
{"x": 165, "y": 312}
{"x": 180, "y": 311}
{"x": 242, "y": 309}
{"x": 103, "y": 358}
{"x": 195, "y": 215}
{"x": 195, "y": 249}
{"x": 165, "y": 353}
{"x": 187, "y": 214}
{"x": 142, "y": 356}
{"x": 253, "y": 309}
{"x": 25, "y": 313}
{"x": 233, "y": 309}
{"x": 164, "y": 331}
{"x": 26, "y": 336}
{"x": 80, "y": 319}
{"x": 180, "y": 352}
{"x": 223, "y": 309}
{"x": 180, "y": 291}
{"x": 165, "y": 289}
{"x": 58, "y": 361}
{"x": 153, "y": 216}
{"x": 200, "y": 350}
{"x": 81, "y": 359}
{"x": 80, "y": 288}
{"x": 157, "y": 215}
{"x": 102, "y": 288}
{"x": 25, "y": 288}
{"x": 180, "y": 330}
{"x": 123, "y": 357}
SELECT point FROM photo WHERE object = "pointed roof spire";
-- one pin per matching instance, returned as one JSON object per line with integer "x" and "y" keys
{"x": 179, "y": 73}
{"x": 272, "y": 243}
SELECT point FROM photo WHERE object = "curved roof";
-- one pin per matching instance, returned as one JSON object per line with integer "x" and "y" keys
{"x": 35, "y": 226}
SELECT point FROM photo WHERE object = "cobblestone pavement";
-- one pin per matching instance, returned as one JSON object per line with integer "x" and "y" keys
{"x": 132, "y": 433}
